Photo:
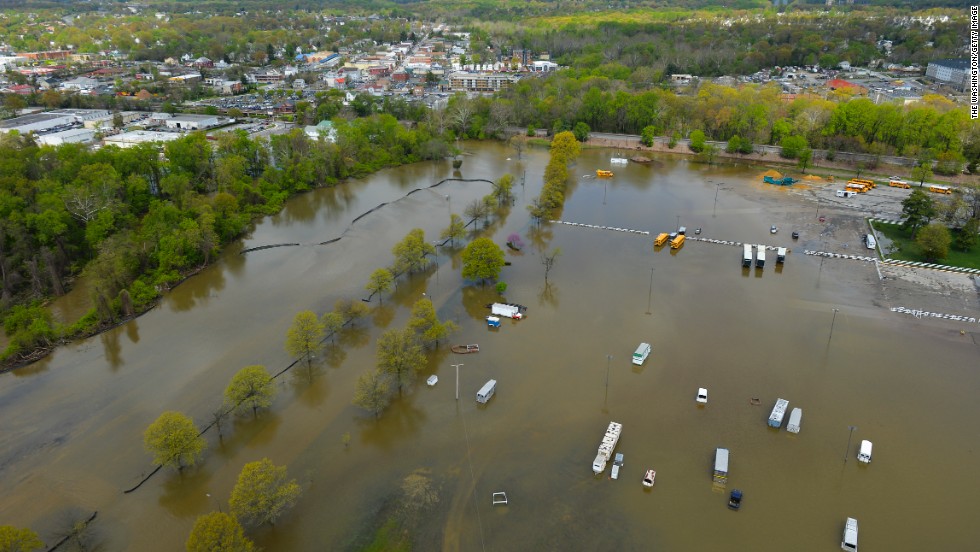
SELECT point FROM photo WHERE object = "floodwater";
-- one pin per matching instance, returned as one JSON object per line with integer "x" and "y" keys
{"x": 72, "y": 423}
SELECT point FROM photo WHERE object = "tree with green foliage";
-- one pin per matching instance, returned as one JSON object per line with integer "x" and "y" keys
{"x": 934, "y": 240}
{"x": 502, "y": 189}
{"x": 411, "y": 253}
{"x": 304, "y": 336}
{"x": 922, "y": 171}
{"x": 263, "y": 493}
{"x": 565, "y": 147}
{"x": 967, "y": 238}
{"x": 174, "y": 441}
{"x": 251, "y": 387}
{"x": 581, "y": 131}
{"x": 218, "y": 532}
{"x": 380, "y": 282}
{"x": 400, "y": 355}
{"x": 455, "y": 231}
{"x": 16, "y": 539}
{"x": 426, "y": 324}
{"x": 697, "y": 141}
{"x": 917, "y": 210}
{"x": 804, "y": 158}
{"x": 792, "y": 146}
{"x": 372, "y": 393}
{"x": 482, "y": 260}
{"x": 333, "y": 322}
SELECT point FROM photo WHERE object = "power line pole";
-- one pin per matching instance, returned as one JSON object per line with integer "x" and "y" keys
{"x": 457, "y": 379}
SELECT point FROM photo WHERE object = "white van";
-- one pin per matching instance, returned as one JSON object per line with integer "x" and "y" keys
{"x": 487, "y": 391}
{"x": 869, "y": 240}
{"x": 641, "y": 353}
{"x": 864, "y": 454}
{"x": 846, "y": 193}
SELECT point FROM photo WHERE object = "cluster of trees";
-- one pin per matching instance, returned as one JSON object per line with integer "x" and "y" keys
{"x": 928, "y": 221}
{"x": 564, "y": 150}
{"x": 400, "y": 356}
{"x": 135, "y": 223}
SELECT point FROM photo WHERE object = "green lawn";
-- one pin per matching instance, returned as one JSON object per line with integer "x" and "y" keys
{"x": 907, "y": 250}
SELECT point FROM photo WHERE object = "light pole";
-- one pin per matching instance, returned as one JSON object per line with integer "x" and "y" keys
{"x": 608, "y": 358}
{"x": 849, "y": 433}
{"x": 449, "y": 206}
{"x": 678, "y": 221}
{"x": 457, "y": 379}
{"x": 832, "y": 321}
{"x": 714, "y": 209}
{"x": 650, "y": 293}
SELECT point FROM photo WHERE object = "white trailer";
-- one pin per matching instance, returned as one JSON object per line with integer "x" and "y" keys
{"x": 760, "y": 255}
{"x": 850, "y": 540}
{"x": 746, "y": 254}
{"x": 508, "y": 310}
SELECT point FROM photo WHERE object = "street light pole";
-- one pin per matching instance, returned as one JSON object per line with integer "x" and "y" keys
{"x": 714, "y": 209}
{"x": 218, "y": 504}
{"x": 832, "y": 321}
{"x": 650, "y": 293}
{"x": 849, "y": 433}
{"x": 457, "y": 379}
{"x": 608, "y": 358}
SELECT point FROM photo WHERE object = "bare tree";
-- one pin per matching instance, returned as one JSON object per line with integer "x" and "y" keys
{"x": 548, "y": 260}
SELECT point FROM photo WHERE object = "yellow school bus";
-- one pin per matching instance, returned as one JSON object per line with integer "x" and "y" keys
{"x": 940, "y": 189}
{"x": 677, "y": 242}
{"x": 661, "y": 239}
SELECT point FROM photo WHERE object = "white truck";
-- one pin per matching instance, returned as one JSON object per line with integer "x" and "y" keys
{"x": 508, "y": 310}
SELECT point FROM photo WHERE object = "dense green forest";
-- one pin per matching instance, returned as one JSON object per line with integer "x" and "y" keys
{"x": 135, "y": 223}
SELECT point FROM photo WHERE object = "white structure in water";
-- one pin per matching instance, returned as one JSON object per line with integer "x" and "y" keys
{"x": 606, "y": 448}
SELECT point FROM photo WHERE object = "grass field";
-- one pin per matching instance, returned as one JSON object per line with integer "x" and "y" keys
{"x": 907, "y": 250}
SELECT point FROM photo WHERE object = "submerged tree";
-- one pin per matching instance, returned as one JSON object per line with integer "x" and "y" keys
{"x": 16, "y": 539}
{"x": 263, "y": 493}
{"x": 379, "y": 282}
{"x": 372, "y": 393}
{"x": 400, "y": 355}
{"x": 304, "y": 336}
{"x": 548, "y": 260}
{"x": 173, "y": 440}
{"x": 482, "y": 260}
{"x": 251, "y": 387}
{"x": 455, "y": 231}
{"x": 218, "y": 532}
{"x": 426, "y": 324}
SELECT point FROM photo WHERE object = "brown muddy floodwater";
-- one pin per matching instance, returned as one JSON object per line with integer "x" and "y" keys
{"x": 73, "y": 423}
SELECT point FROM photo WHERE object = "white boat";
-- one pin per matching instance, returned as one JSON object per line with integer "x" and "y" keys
{"x": 850, "y": 540}
{"x": 433, "y": 379}
{"x": 606, "y": 447}
{"x": 619, "y": 160}
{"x": 649, "y": 478}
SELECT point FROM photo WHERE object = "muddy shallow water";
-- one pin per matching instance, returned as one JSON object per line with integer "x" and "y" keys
{"x": 72, "y": 431}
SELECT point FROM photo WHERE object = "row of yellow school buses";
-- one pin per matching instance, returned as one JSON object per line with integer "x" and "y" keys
{"x": 861, "y": 186}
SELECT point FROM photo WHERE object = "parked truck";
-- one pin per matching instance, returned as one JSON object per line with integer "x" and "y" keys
{"x": 508, "y": 310}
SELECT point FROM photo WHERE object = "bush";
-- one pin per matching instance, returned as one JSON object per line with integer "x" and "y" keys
{"x": 697, "y": 141}
{"x": 648, "y": 135}
{"x": 674, "y": 137}
{"x": 581, "y": 131}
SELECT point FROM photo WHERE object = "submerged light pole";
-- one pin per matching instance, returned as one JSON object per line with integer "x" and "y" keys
{"x": 608, "y": 358}
{"x": 714, "y": 209}
{"x": 832, "y": 321}
{"x": 848, "y": 449}
{"x": 457, "y": 379}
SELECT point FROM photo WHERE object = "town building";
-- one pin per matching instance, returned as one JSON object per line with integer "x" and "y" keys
{"x": 71, "y": 136}
{"x": 137, "y": 137}
{"x": 187, "y": 121}
{"x": 953, "y": 72}
{"x": 480, "y": 82}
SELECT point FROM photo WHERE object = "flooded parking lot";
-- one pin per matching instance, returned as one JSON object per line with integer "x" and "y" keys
{"x": 816, "y": 332}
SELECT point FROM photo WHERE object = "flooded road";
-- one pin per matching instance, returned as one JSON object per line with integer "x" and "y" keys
{"x": 73, "y": 423}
